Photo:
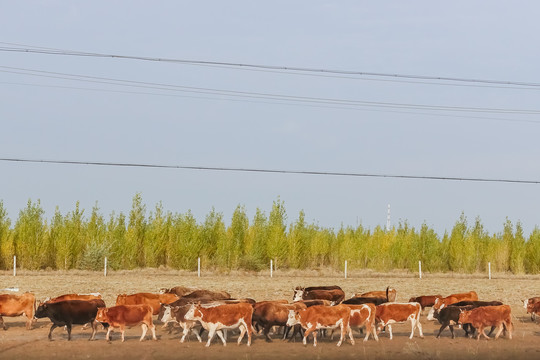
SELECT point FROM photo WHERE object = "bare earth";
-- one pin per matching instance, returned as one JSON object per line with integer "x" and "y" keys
{"x": 17, "y": 342}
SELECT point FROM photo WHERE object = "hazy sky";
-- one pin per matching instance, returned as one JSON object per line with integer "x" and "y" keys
{"x": 168, "y": 113}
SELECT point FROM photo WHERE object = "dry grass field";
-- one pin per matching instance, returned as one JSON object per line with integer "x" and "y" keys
{"x": 17, "y": 342}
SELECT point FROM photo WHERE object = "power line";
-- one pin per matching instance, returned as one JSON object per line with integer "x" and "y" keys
{"x": 259, "y": 95}
{"x": 270, "y": 171}
{"x": 51, "y": 51}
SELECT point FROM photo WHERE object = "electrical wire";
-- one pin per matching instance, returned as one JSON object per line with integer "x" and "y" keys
{"x": 270, "y": 171}
{"x": 51, "y": 51}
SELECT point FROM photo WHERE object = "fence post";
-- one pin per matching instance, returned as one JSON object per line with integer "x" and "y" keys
{"x": 14, "y": 265}
{"x": 105, "y": 267}
{"x": 199, "y": 267}
{"x": 420, "y": 268}
{"x": 489, "y": 270}
{"x": 271, "y": 267}
{"x": 345, "y": 269}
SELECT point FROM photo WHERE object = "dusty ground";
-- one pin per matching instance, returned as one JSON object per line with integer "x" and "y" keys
{"x": 17, "y": 342}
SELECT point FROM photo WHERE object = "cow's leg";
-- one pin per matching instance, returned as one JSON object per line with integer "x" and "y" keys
{"x": 374, "y": 331}
{"x": 419, "y": 327}
{"x": 221, "y": 335}
{"x": 500, "y": 327}
{"x": 286, "y": 332}
{"x": 109, "y": 331}
{"x": 211, "y": 334}
{"x": 443, "y": 326}
{"x": 390, "y": 331}
{"x": 144, "y": 330}
{"x": 242, "y": 333}
{"x": 315, "y": 337}
{"x": 249, "y": 330}
{"x": 123, "y": 330}
{"x": 94, "y": 329}
{"x": 50, "y": 331}
{"x": 153, "y": 330}
{"x": 482, "y": 332}
{"x": 306, "y": 334}
{"x": 68, "y": 326}
{"x": 349, "y": 330}
{"x": 185, "y": 332}
{"x": 3, "y": 323}
{"x": 266, "y": 331}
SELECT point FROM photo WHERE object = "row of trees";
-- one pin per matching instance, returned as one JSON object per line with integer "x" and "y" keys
{"x": 161, "y": 238}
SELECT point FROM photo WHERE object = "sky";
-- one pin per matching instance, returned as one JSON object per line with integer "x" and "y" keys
{"x": 428, "y": 113}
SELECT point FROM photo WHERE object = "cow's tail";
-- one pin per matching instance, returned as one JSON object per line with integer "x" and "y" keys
{"x": 387, "y": 299}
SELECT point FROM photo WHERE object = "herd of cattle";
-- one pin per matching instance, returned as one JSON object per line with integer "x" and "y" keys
{"x": 312, "y": 309}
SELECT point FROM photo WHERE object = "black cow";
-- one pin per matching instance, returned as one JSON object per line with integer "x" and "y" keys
{"x": 477, "y": 303}
{"x": 449, "y": 316}
{"x": 69, "y": 312}
{"x": 359, "y": 300}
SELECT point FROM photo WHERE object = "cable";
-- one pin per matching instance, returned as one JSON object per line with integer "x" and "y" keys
{"x": 257, "y": 95}
{"x": 51, "y": 51}
{"x": 271, "y": 171}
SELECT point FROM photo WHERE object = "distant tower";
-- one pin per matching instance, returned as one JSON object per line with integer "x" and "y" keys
{"x": 388, "y": 219}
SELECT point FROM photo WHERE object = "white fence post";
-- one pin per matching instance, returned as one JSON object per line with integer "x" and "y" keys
{"x": 420, "y": 268}
{"x": 105, "y": 267}
{"x": 489, "y": 270}
{"x": 14, "y": 265}
{"x": 199, "y": 267}
{"x": 271, "y": 267}
{"x": 345, "y": 269}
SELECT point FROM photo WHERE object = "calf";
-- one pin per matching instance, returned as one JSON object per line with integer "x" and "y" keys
{"x": 16, "y": 305}
{"x": 528, "y": 302}
{"x": 364, "y": 315}
{"x": 227, "y": 316}
{"x": 499, "y": 316}
{"x": 153, "y": 300}
{"x": 127, "y": 315}
{"x": 425, "y": 300}
{"x": 533, "y": 309}
{"x": 69, "y": 312}
{"x": 390, "y": 313}
{"x": 322, "y": 317}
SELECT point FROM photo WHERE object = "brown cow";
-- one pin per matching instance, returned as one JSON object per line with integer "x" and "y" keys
{"x": 390, "y": 313}
{"x": 127, "y": 315}
{"x": 322, "y": 317}
{"x": 533, "y": 309}
{"x": 268, "y": 314}
{"x": 154, "y": 300}
{"x": 16, "y": 305}
{"x": 334, "y": 295}
{"x": 530, "y": 301}
{"x": 228, "y": 316}
{"x": 208, "y": 294}
{"x": 389, "y": 294}
{"x": 449, "y": 300}
{"x": 177, "y": 290}
{"x": 425, "y": 300}
{"x": 364, "y": 315}
{"x": 499, "y": 316}
{"x": 91, "y": 296}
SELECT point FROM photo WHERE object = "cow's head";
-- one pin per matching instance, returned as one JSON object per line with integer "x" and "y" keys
{"x": 298, "y": 293}
{"x": 464, "y": 317}
{"x": 525, "y": 303}
{"x": 121, "y": 299}
{"x": 41, "y": 311}
{"x": 194, "y": 312}
{"x": 101, "y": 315}
{"x": 293, "y": 318}
{"x": 165, "y": 314}
{"x": 433, "y": 313}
